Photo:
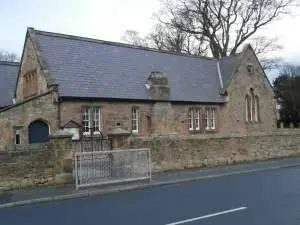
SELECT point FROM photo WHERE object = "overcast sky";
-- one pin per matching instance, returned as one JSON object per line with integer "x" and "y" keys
{"x": 107, "y": 20}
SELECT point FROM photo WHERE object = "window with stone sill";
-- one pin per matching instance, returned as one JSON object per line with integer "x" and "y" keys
{"x": 194, "y": 119}
{"x": 135, "y": 120}
{"x": 210, "y": 119}
{"x": 252, "y": 107}
{"x": 91, "y": 120}
{"x": 17, "y": 135}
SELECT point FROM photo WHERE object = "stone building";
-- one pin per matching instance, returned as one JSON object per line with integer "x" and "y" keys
{"x": 65, "y": 82}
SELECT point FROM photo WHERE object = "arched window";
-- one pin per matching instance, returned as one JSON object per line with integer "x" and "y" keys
{"x": 256, "y": 108}
{"x": 252, "y": 104}
{"x": 247, "y": 108}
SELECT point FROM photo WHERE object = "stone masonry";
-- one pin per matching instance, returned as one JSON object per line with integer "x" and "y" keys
{"x": 181, "y": 152}
{"x": 37, "y": 165}
{"x": 154, "y": 118}
{"x": 22, "y": 114}
{"x": 29, "y": 63}
{"x": 233, "y": 115}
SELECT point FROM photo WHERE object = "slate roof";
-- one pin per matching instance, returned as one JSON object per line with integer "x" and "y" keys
{"x": 8, "y": 77}
{"x": 90, "y": 68}
{"x": 227, "y": 66}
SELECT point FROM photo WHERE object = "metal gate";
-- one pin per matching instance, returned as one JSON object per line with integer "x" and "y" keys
{"x": 95, "y": 142}
{"x": 114, "y": 166}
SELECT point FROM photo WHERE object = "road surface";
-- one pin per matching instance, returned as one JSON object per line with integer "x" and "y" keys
{"x": 262, "y": 198}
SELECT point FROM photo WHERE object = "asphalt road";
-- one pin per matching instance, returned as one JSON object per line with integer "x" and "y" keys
{"x": 270, "y": 197}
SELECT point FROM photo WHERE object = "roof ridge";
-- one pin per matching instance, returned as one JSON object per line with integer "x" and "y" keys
{"x": 9, "y": 63}
{"x": 99, "y": 41}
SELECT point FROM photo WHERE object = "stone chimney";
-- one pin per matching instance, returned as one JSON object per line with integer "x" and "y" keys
{"x": 158, "y": 86}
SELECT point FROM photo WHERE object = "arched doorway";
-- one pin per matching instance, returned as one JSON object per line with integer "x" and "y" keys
{"x": 38, "y": 132}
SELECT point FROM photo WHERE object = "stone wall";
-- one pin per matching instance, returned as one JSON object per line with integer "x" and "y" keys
{"x": 22, "y": 114}
{"x": 37, "y": 165}
{"x": 180, "y": 152}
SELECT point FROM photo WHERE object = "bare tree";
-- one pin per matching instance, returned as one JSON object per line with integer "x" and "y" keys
{"x": 133, "y": 37}
{"x": 171, "y": 39}
{"x": 7, "y": 56}
{"x": 167, "y": 38}
{"x": 224, "y": 24}
{"x": 264, "y": 47}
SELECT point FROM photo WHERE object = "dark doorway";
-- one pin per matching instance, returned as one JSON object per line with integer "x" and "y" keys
{"x": 38, "y": 132}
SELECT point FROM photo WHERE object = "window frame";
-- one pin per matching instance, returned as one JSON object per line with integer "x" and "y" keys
{"x": 19, "y": 134}
{"x": 134, "y": 120}
{"x": 256, "y": 108}
{"x": 89, "y": 114}
{"x": 194, "y": 115}
{"x": 210, "y": 119}
{"x": 197, "y": 119}
{"x": 191, "y": 119}
{"x": 247, "y": 108}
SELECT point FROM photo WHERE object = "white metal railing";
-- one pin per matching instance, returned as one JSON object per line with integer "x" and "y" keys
{"x": 109, "y": 167}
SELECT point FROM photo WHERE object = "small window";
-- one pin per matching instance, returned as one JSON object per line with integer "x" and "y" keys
{"x": 17, "y": 136}
{"x": 30, "y": 84}
{"x": 250, "y": 69}
{"x": 135, "y": 120}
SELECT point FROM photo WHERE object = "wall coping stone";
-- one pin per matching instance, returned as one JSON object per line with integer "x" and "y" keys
{"x": 279, "y": 132}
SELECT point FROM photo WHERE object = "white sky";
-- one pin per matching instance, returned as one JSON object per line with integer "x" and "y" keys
{"x": 107, "y": 20}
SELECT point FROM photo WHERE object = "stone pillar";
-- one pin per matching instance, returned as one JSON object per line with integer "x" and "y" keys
{"x": 162, "y": 118}
{"x": 119, "y": 137}
{"x": 61, "y": 143}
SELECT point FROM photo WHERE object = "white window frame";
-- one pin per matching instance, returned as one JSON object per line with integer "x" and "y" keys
{"x": 197, "y": 118}
{"x": 96, "y": 110}
{"x": 206, "y": 119}
{"x": 210, "y": 118}
{"x": 89, "y": 118}
{"x": 86, "y": 121}
{"x": 135, "y": 120}
{"x": 191, "y": 119}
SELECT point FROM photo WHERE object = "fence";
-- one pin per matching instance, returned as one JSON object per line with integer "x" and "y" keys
{"x": 91, "y": 144}
{"x": 108, "y": 167}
